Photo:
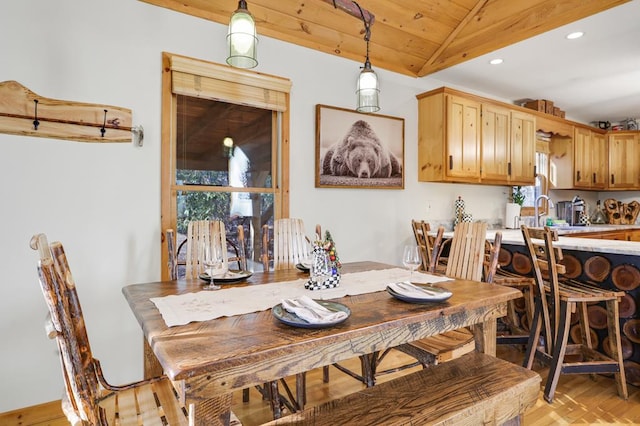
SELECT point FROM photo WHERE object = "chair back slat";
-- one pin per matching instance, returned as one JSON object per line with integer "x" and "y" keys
{"x": 79, "y": 370}
{"x": 466, "y": 254}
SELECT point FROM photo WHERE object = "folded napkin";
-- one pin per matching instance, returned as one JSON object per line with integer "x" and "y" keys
{"x": 310, "y": 311}
{"x": 405, "y": 288}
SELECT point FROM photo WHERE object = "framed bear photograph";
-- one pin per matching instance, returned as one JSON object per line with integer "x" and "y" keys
{"x": 355, "y": 150}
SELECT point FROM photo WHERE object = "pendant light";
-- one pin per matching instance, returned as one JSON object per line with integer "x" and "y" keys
{"x": 227, "y": 147}
{"x": 241, "y": 38}
{"x": 368, "y": 89}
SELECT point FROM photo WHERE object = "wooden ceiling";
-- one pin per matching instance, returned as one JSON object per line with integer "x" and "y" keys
{"x": 412, "y": 37}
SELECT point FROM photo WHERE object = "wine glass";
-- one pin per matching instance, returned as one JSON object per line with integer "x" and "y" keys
{"x": 213, "y": 265}
{"x": 411, "y": 259}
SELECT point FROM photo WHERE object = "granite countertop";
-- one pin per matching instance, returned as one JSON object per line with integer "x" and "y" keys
{"x": 514, "y": 236}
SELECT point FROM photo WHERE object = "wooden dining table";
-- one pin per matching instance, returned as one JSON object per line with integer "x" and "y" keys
{"x": 209, "y": 360}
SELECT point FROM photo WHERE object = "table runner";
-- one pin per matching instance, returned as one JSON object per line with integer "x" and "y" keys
{"x": 207, "y": 304}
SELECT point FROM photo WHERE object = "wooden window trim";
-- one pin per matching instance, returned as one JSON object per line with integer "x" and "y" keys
{"x": 193, "y": 77}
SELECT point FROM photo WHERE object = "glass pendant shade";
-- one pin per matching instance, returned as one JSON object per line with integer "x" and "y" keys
{"x": 368, "y": 90}
{"x": 242, "y": 42}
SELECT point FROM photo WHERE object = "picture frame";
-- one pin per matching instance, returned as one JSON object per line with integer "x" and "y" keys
{"x": 355, "y": 150}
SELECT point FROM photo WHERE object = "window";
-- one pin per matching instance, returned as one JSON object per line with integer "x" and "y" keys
{"x": 242, "y": 180}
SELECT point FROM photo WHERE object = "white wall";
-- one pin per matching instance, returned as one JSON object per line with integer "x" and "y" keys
{"x": 103, "y": 200}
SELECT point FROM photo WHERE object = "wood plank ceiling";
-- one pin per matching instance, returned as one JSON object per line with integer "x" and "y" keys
{"x": 412, "y": 37}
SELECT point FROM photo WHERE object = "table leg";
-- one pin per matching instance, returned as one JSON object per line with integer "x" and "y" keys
{"x": 151, "y": 367}
{"x": 211, "y": 412}
{"x": 484, "y": 334}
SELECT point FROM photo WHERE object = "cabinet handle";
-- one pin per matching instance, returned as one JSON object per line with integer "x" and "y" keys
{"x": 451, "y": 162}
{"x": 578, "y": 175}
{"x": 509, "y": 168}
{"x": 535, "y": 171}
{"x": 613, "y": 179}
{"x": 594, "y": 178}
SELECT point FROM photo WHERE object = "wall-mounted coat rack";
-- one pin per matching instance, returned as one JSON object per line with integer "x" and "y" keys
{"x": 23, "y": 112}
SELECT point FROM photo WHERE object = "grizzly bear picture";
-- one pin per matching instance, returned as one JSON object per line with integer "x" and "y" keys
{"x": 360, "y": 154}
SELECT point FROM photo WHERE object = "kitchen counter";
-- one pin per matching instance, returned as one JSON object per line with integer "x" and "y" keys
{"x": 514, "y": 236}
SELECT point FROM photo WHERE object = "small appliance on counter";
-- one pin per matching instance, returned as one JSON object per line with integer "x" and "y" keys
{"x": 573, "y": 212}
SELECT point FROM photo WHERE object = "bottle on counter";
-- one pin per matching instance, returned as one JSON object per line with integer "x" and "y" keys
{"x": 598, "y": 216}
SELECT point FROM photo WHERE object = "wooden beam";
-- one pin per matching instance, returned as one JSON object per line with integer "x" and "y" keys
{"x": 352, "y": 9}
{"x": 445, "y": 44}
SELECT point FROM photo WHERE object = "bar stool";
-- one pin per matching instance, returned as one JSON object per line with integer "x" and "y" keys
{"x": 555, "y": 301}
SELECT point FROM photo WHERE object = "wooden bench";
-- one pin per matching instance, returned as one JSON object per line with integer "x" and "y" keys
{"x": 473, "y": 389}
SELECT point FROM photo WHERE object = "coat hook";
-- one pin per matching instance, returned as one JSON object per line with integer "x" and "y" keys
{"x": 104, "y": 123}
{"x": 36, "y": 123}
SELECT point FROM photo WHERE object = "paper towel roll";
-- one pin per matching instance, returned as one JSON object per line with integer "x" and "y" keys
{"x": 512, "y": 218}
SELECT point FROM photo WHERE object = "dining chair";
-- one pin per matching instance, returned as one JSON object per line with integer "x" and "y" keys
{"x": 290, "y": 247}
{"x": 201, "y": 233}
{"x": 421, "y": 231}
{"x": 466, "y": 260}
{"x": 89, "y": 398}
{"x": 555, "y": 301}
{"x": 290, "y": 244}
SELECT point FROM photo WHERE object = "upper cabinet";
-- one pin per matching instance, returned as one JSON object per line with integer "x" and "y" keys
{"x": 624, "y": 160}
{"x": 523, "y": 149}
{"x": 470, "y": 139}
{"x": 464, "y": 138}
{"x": 590, "y": 159}
{"x": 448, "y": 138}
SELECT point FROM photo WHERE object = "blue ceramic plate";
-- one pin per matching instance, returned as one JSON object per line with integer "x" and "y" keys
{"x": 440, "y": 296}
{"x": 293, "y": 320}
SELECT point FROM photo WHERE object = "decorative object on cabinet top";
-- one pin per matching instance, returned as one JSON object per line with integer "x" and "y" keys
{"x": 23, "y": 112}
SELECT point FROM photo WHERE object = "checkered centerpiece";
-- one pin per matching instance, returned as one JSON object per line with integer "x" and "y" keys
{"x": 331, "y": 281}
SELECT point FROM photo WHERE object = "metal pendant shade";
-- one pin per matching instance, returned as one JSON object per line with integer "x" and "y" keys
{"x": 242, "y": 42}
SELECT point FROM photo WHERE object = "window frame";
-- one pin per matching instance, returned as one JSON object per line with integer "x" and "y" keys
{"x": 193, "y": 77}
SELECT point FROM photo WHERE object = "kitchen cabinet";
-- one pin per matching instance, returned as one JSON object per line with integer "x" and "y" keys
{"x": 448, "y": 138}
{"x": 523, "y": 149}
{"x": 624, "y": 160}
{"x": 508, "y": 146}
{"x": 468, "y": 139}
{"x": 496, "y": 134}
{"x": 590, "y": 159}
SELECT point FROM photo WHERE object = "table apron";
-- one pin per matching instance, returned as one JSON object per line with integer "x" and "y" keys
{"x": 294, "y": 361}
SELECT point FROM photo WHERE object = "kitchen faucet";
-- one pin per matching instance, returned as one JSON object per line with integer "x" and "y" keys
{"x": 535, "y": 207}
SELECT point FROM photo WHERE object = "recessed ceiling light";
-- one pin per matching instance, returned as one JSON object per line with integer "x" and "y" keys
{"x": 575, "y": 35}
{"x": 496, "y": 61}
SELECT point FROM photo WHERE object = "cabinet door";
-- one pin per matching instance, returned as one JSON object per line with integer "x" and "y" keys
{"x": 599, "y": 163}
{"x": 463, "y": 138}
{"x": 496, "y": 135}
{"x": 582, "y": 158}
{"x": 624, "y": 161}
{"x": 523, "y": 149}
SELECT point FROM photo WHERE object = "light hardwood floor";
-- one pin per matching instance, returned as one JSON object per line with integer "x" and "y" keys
{"x": 578, "y": 400}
